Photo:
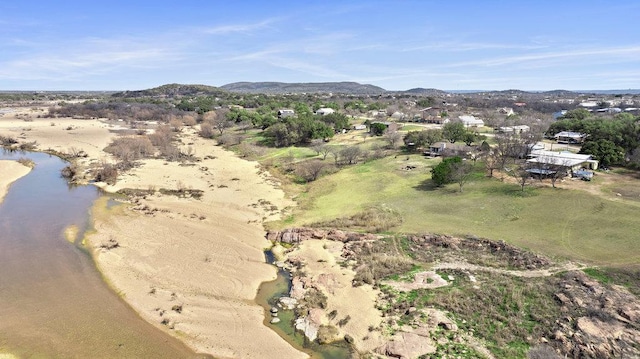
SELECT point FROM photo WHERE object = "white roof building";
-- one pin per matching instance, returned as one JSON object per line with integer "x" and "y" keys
{"x": 470, "y": 121}
{"x": 324, "y": 111}
{"x": 567, "y": 159}
{"x": 588, "y": 104}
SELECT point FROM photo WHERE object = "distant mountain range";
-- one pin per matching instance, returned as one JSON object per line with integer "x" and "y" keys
{"x": 172, "y": 90}
{"x": 310, "y": 87}
{"x": 353, "y": 88}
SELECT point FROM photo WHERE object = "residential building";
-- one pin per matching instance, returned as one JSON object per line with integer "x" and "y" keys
{"x": 570, "y": 137}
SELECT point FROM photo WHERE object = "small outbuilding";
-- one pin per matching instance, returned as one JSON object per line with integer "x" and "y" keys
{"x": 325, "y": 111}
{"x": 570, "y": 137}
{"x": 286, "y": 112}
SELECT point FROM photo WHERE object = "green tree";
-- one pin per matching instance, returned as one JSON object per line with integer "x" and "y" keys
{"x": 336, "y": 120}
{"x": 377, "y": 128}
{"x": 425, "y": 102}
{"x": 441, "y": 174}
{"x": 431, "y": 136}
{"x": 577, "y": 114}
{"x": 423, "y": 138}
{"x": 605, "y": 151}
{"x": 469, "y": 138}
{"x": 453, "y": 131}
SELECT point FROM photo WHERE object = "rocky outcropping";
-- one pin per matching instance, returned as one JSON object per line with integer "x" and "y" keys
{"x": 601, "y": 321}
{"x": 296, "y": 235}
{"x": 508, "y": 254}
{"x": 417, "y": 340}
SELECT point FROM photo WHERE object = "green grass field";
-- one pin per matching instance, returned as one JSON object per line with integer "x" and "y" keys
{"x": 557, "y": 222}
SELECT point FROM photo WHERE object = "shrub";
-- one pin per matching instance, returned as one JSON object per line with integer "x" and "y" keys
{"x": 129, "y": 149}
{"x": 327, "y": 334}
{"x": 378, "y": 266}
{"x": 7, "y": 140}
{"x": 107, "y": 173}
{"x": 162, "y": 136}
{"x": 228, "y": 139}
{"x": 206, "y": 130}
{"x": 69, "y": 172}
{"x": 441, "y": 174}
{"x": 28, "y": 146}
{"x": 26, "y": 162}
{"x": 373, "y": 219}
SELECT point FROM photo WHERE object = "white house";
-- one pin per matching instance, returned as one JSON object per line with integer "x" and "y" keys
{"x": 324, "y": 111}
{"x": 470, "y": 121}
{"x": 285, "y": 112}
{"x": 570, "y": 137}
{"x": 514, "y": 129}
{"x": 398, "y": 116}
{"x": 569, "y": 160}
{"x": 588, "y": 104}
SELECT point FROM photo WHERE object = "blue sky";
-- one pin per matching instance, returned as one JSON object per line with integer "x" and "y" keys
{"x": 398, "y": 45}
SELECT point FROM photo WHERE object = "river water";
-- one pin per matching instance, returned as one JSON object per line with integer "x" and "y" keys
{"x": 268, "y": 295}
{"x": 53, "y": 301}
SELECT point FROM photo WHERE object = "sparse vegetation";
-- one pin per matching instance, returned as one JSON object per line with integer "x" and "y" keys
{"x": 373, "y": 219}
{"x": 26, "y": 162}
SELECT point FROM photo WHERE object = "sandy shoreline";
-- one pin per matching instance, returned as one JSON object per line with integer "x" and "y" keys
{"x": 10, "y": 171}
{"x": 189, "y": 266}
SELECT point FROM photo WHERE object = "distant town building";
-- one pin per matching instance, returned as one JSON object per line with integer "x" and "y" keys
{"x": 571, "y": 161}
{"x": 325, "y": 111}
{"x": 559, "y": 114}
{"x": 514, "y": 129}
{"x": 285, "y": 112}
{"x": 470, "y": 121}
{"x": 588, "y": 104}
{"x": 570, "y": 137}
{"x": 506, "y": 111}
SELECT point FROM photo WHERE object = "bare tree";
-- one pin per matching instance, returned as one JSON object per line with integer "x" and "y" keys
{"x": 129, "y": 149}
{"x": 221, "y": 124}
{"x": 310, "y": 170}
{"x": 509, "y": 146}
{"x": 520, "y": 173}
{"x": 461, "y": 173}
{"x": 558, "y": 173}
{"x": 393, "y": 138}
{"x": 335, "y": 152}
{"x": 176, "y": 125}
{"x": 351, "y": 154}
{"x": 206, "y": 130}
{"x": 324, "y": 150}
{"x": 491, "y": 162}
{"x": 162, "y": 136}
{"x": 316, "y": 145}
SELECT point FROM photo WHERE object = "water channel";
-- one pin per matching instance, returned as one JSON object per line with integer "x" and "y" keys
{"x": 268, "y": 295}
{"x": 53, "y": 301}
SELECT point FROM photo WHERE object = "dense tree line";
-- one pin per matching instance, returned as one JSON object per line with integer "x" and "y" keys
{"x": 610, "y": 140}
{"x": 297, "y": 130}
{"x": 116, "y": 110}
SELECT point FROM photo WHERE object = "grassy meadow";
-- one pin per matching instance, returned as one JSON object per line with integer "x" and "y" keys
{"x": 574, "y": 224}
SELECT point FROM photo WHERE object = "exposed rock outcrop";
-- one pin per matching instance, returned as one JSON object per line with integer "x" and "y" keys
{"x": 601, "y": 322}
{"x": 296, "y": 235}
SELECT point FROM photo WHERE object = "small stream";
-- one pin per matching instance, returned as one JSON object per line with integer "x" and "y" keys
{"x": 53, "y": 301}
{"x": 268, "y": 295}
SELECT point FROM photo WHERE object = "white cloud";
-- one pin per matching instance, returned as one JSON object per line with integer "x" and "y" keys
{"x": 612, "y": 54}
{"x": 238, "y": 28}
{"x": 78, "y": 59}
{"x": 454, "y": 46}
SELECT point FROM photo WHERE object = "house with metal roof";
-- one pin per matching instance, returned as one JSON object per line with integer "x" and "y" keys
{"x": 325, "y": 111}
{"x": 544, "y": 162}
{"x": 570, "y": 137}
{"x": 470, "y": 121}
